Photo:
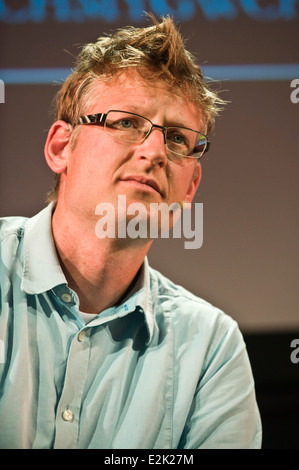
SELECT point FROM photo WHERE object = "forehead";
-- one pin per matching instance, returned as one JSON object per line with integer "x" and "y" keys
{"x": 154, "y": 99}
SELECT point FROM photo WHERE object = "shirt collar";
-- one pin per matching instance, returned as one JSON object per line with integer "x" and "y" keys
{"x": 144, "y": 299}
{"x": 42, "y": 271}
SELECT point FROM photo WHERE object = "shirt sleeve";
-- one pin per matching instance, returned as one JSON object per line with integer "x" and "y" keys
{"x": 224, "y": 412}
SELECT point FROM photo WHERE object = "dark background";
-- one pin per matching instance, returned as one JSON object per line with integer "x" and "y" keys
{"x": 248, "y": 264}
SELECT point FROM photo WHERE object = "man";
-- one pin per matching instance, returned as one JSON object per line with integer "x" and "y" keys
{"x": 100, "y": 350}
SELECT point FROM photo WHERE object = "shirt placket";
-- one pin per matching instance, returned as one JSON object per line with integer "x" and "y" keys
{"x": 67, "y": 422}
{"x": 69, "y": 406}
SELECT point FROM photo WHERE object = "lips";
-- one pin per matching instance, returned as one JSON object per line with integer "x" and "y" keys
{"x": 143, "y": 180}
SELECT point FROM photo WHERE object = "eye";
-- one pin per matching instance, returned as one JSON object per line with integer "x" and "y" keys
{"x": 178, "y": 139}
{"x": 126, "y": 123}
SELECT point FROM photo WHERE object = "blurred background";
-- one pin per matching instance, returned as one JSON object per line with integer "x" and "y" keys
{"x": 248, "y": 263}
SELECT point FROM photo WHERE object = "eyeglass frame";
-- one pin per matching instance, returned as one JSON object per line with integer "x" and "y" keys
{"x": 100, "y": 119}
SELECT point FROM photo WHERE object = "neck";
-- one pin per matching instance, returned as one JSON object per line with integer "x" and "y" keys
{"x": 100, "y": 271}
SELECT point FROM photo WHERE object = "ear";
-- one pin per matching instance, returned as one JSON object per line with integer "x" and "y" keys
{"x": 56, "y": 146}
{"x": 194, "y": 184}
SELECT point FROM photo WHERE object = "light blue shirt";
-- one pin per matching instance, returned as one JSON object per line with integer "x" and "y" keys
{"x": 163, "y": 370}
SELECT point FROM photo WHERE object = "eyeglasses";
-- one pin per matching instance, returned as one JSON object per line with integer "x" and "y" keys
{"x": 131, "y": 127}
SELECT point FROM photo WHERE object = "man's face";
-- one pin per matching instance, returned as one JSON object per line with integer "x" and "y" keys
{"x": 99, "y": 167}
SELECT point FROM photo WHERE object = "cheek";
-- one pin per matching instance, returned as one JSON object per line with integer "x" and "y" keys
{"x": 91, "y": 166}
{"x": 82, "y": 177}
{"x": 77, "y": 170}
{"x": 180, "y": 179}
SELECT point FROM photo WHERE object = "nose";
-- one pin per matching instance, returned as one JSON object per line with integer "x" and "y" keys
{"x": 153, "y": 147}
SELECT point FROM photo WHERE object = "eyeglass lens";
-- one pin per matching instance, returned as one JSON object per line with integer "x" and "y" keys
{"x": 134, "y": 128}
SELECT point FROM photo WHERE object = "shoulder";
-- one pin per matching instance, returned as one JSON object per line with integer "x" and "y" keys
{"x": 189, "y": 315}
{"x": 12, "y": 226}
{"x": 11, "y": 234}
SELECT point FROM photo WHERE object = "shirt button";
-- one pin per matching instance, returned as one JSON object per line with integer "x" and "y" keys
{"x": 81, "y": 336}
{"x": 67, "y": 415}
{"x": 66, "y": 297}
